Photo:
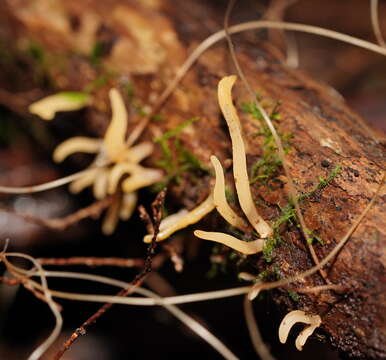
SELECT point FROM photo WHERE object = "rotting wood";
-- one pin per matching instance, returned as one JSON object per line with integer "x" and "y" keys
{"x": 325, "y": 133}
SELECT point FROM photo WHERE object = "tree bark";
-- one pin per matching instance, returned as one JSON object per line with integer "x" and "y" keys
{"x": 142, "y": 44}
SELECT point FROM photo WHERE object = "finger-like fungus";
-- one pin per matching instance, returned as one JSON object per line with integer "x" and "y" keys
{"x": 47, "y": 107}
{"x": 241, "y": 181}
{"x": 239, "y": 159}
{"x": 294, "y": 317}
{"x": 182, "y": 219}
{"x": 245, "y": 247}
{"x": 114, "y": 159}
{"x": 218, "y": 200}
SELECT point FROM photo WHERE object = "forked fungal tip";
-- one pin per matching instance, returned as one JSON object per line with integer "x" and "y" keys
{"x": 294, "y": 317}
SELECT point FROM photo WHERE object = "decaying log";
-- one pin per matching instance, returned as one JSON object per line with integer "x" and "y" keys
{"x": 142, "y": 43}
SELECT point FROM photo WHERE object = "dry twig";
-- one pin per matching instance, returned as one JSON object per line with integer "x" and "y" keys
{"x": 156, "y": 219}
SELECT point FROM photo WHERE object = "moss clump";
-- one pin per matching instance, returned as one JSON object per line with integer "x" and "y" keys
{"x": 334, "y": 173}
{"x": 293, "y": 295}
{"x": 97, "y": 53}
{"x": 323, "y": 182}
{"x": 269, "y": 165}
{"x": 176, "y": 158}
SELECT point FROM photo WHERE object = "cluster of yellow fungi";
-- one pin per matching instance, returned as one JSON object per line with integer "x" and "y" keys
{"x": 217, "y": 199}
{"x": 113, "y": 161}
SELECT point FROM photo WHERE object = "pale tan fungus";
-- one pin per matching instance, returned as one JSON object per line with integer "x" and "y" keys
{"x": 246, "y": 276}
{"x": 47, "y": 107}
{"x": 182, "y": 219}
{"x": 241, "y": 181}
{"x": 100, "y": 184}
{"x": 245, "y": 247}
{"x": 142, "y": 178}
{"x": 114, "y": 140}
{"x": 239, "y": 159}
{"x": 85, "y": 181}
{"x": 76, "y": 144}
{"x": 111, "y": 218}
{"x": 220, "y": 201}
{"x": 294, "y": 317}
{"x": 129, "y": 202}
{"x": 116, "y": 173}
{"x": 114, "y": 159}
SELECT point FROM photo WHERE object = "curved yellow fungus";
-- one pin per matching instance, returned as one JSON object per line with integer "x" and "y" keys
{"x": 47, "y": 107}
{"x": 112, "y": 217}
{"x": 139, "y": 152}
{"x": 141, "y": 178}
{"x": 114, "y": 159}
{"x": 294, "y": 317}
{"x": 85, "y": 181}
{"x": 217, "y": 199}
{"x": 76, "y": 144}
{"x": 220, "y": 201}
{"x": 182, "y": 219}
{"x": 129, "y": 202}
{"x": 116, "y": 172}
{"x": 239, "y": 159}
{"x": 114, "y": 140}
{"x": 100, "y": 184}
{"x": 245, "y": 247}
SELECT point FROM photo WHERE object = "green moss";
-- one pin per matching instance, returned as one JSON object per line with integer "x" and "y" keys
{"x": 76, "y": 96}
{"x": 157, "y": 118}
{"x": 128, "y": 87}
{"x": 176, "y": 158}
{"x": 263, "y": 275}
{"x": 41, "y": 63}
{"x": 177, "y": 130}
{"x": 269, "y": 165}
{"x": 333, "y": 174}
{"x": 293, "y": 295}
{"x": 312, "y": 237}
{"x": 99, "y": 82}
{"x": 36, "y": 52}
{"x": 140, "y": 110}
{"x": 323, "y": 182}
{"x": 269, "y": 246}
{"x": 96, "y": 53}
{"x": 288, "y": 214}
{"x": 251, "y": 108}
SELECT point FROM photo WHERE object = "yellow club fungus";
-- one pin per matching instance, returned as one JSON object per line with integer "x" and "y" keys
{"x": 47, "y": 107}
{"x": 114, "y": 159}
{"x": 294, "y": 317}
{"x": 217, "y": 199}
{"x": 182, "y": 219}
{"x": 239, "y": 159}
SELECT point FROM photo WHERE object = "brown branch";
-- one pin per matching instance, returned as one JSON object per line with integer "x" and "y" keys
{"x": 317, "y": 289}
{"x": 139, "y": 278}
{"x": 18, "y": 103}
{"x": 92, "y": 261}
{"x": 25, "y": 282}
{"x": 60, "y": 224}
{"x": 10, "y": 282}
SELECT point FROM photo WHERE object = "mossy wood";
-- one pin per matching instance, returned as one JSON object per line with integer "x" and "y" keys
{"x": 137, "y": 46}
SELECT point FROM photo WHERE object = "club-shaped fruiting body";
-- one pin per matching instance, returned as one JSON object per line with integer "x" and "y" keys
{"x": 114, "y": 159}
